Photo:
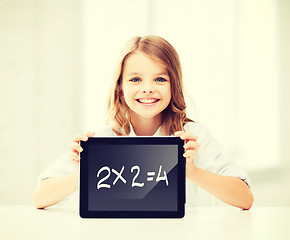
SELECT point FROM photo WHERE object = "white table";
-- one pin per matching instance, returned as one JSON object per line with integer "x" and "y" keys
{"x": 26, "y": 222}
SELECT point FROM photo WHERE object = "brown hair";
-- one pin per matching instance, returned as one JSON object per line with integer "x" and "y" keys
{"x": 173, "y": 116}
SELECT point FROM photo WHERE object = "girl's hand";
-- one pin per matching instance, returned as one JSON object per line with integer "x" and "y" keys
{"x": 76, "y": 149}
{"x": 190, "y": 147}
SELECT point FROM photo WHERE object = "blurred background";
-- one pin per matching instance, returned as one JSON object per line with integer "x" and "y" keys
{"x": 57, "y": 59}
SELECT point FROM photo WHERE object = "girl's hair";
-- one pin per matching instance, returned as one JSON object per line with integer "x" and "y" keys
{"x": 173, "y": 116}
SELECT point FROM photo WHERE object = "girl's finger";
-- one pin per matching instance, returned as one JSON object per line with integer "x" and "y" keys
{"x": 90, "y": 134}
{"x": 189, "y": 155}
{"x": 185, "y": 136}
{"x": 178, "y": 133}
{"x": 76, "y": 147}
{"x": 188, "y": 136}
{"x": 73, "y": 156}
{"x": 80, "y": 138}
{"x": 76, "y": 152}
{"x": 193, "y": 145}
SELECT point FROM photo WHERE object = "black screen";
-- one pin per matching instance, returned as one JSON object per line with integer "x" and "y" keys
{"x": 132, "y": 177}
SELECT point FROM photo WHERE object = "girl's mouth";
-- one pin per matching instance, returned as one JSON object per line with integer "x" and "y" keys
{"x": 147, "y": 100}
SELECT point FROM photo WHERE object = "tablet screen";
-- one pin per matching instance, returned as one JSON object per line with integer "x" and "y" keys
{"x": 131, "y": 175}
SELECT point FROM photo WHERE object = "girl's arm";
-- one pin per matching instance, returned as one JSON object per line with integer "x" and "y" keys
{"x": 53, "y": 190}
{"x": 230, "y": 190}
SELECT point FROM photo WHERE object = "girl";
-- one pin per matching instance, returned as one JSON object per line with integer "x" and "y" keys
{"x": 147, "y": 99}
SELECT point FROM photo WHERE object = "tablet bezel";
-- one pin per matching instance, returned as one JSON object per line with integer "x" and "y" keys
{"x": 83, "y": 179}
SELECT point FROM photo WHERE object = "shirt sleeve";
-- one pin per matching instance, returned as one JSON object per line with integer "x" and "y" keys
{"x": 62, "y": 167}
{"x": 209, "y": 155}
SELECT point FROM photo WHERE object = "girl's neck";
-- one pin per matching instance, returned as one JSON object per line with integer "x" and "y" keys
{"x": 145, "y": 126}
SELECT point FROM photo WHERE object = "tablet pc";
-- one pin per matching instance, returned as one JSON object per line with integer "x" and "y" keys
{"x": 132, "y": 177}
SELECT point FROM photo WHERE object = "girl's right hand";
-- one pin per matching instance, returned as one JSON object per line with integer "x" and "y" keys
{"x": 76, "y": 149}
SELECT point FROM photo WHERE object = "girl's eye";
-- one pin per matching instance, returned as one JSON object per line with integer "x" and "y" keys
{"x": 160, "y": 79}
{"x": 135, "y": 80}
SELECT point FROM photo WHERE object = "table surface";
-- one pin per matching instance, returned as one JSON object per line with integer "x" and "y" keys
{"x": 60, "y": 222}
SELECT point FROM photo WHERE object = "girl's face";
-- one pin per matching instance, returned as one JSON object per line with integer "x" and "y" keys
{"x": 145, "y": 85}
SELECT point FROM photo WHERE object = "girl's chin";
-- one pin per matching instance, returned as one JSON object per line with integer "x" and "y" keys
{"x": 145, "y": 116}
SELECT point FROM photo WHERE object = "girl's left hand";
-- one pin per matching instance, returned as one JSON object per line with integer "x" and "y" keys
{"x": 190, "y": 147}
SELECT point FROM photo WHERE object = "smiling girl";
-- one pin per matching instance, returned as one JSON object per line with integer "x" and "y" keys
{"x": 147, "y": 100}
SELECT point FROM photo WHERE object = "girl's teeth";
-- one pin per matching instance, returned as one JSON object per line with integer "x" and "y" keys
{"x": 147, "y": 100}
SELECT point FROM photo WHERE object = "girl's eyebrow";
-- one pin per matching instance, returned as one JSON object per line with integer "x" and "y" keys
{"x": 162, "y": 73}
{"x": 132, "y": 73}
{"x": 136, "y": 73}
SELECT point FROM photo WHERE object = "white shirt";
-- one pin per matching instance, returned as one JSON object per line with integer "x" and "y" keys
{"x": 208, "y": 157}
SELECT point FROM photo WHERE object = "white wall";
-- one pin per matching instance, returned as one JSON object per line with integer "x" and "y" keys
{"x": 272, "y": 187}
{"x": 284, "y": 51}
{"x": 40, "y": 78}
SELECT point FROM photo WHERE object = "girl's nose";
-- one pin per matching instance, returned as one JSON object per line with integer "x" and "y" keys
{"x": 147, "y": 91}
{"x": 147, "y": 88}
